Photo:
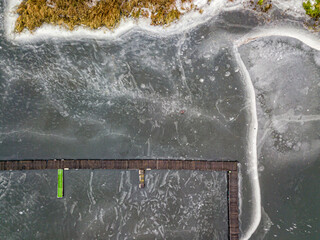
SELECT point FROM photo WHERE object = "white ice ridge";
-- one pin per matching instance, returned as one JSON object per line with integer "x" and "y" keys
{"x": 187, "y": 21}
{"x": 252, "y": 147}
{"x": 307, "y": 38}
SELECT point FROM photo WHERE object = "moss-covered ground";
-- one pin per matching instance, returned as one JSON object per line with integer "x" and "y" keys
{"x": 96, "y": 13}
{"x": 261, "y": 5}
{"x": 312, "y": 9}
{"x": 108, "y": 13}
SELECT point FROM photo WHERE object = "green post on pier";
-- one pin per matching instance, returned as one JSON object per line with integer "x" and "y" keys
{"x": 60, "y": 184}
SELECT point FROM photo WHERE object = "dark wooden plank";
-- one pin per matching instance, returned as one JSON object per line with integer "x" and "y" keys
{"x": 202, "y": 165}
{"x": 151, "y": 164}
{"x": 233, "y": 209}
{"x": 162, "y": 164}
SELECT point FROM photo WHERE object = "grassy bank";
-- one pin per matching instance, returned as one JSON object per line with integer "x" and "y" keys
{"x": 96, "y": 13}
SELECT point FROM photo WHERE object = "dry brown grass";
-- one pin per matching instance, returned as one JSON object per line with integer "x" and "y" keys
{"x": 94, "y": 13}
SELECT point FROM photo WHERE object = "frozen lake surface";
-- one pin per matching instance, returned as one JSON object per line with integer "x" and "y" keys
{"x": 107, "y": 204}
{"x": 238, "y": 85}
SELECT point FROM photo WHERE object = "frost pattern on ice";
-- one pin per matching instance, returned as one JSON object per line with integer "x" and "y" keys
{"x": 287, "y": 92}
{"x": 279, "y": 93}
{"x": 175, "y": 204}
{"x": 189, "y": 94}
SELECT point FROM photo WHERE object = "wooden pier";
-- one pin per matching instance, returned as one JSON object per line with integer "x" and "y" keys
{"x": 230, "y": 167}
{"x": 233, "y": 205}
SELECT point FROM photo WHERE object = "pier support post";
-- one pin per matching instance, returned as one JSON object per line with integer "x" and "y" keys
{"x": 60, "y": 184}
{"x": 141, "y": 178}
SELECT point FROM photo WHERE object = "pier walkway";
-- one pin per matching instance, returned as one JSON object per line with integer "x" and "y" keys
{"x": 230, "y": 167}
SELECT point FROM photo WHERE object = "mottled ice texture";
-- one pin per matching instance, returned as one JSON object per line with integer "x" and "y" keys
{"x": 285, "y": 73}
{"x": 108, "y": 204}
{"x": 121, "y": 99}
{"x": 248, "y": 90}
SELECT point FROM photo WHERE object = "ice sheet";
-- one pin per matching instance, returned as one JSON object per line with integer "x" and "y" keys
{"x": 107, "y": 204}
{"x": 229, "y": 86}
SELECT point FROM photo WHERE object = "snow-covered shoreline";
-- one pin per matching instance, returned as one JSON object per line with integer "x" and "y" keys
{"x": 187, "y": 21}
